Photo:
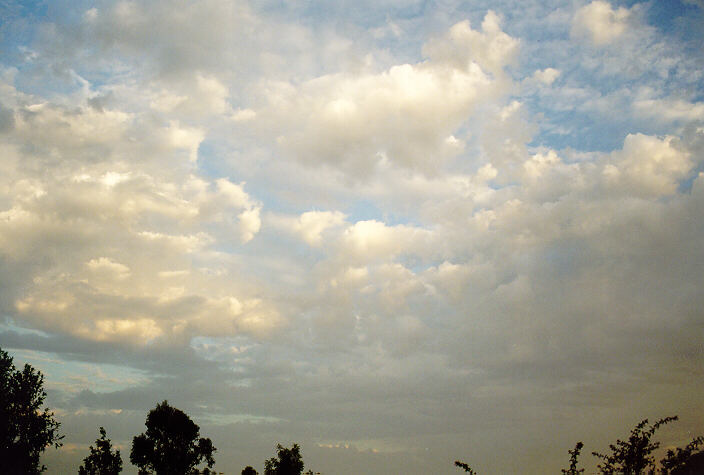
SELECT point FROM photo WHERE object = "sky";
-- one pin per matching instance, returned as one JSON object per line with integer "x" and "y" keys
{"x": 396, "y": 232}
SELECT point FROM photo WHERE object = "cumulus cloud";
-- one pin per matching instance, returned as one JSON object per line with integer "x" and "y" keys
{"x": 405, "y": 116}
{"x": 600, "y": 23}
{"x": 648, "y": 166}
{"x": 311, "y": 226}
{"x": 99, "y": 205}
{"x": 369, "y": 240}
{"x": 546, "y": 76}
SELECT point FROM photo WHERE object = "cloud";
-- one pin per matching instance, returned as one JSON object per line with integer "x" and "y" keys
{"x": 199, "y": 96}
{"x": 648, "y": 166}
{"x": 600, "y": 23}
{"x": 390, "y": 231}
{"x": 546, "y": 76}
{"x": 405, "y": 116}
{"x": 105, "y": 265}
{"x": 667, "y": 108}
{"x": 126, "y": 28}
{"x": 311, "y": 226}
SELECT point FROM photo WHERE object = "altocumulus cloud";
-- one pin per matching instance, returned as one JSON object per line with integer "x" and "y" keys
{"x": 395, "y": 238}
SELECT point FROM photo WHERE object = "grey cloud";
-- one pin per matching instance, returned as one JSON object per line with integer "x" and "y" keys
{"x": 7, "y": 119}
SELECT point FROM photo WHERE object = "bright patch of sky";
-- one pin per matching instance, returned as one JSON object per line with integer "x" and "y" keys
{"x": 72, "y": 377}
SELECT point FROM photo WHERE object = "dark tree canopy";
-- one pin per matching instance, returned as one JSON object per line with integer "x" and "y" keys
{"x": 102, "y": 460}
{"x": 25, "y": 429}
{"x": 248, "y": 470}
{"x": 287, "y": 461}
{"x": 684, "y": 460}
{"x": 171, "y": 444}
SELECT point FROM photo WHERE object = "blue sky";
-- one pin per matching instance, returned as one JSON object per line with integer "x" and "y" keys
{"x": 398, "y": 233}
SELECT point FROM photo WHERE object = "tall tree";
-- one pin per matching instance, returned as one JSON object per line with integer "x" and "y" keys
{"x": 25, "y": 429}
{"x": 249, "y": 470}
{"x": 171, "y": 444}
{"x": 102, "y": 460}
{"x": 286, "y": 462}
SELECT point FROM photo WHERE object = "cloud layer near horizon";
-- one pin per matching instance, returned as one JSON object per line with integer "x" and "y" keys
{"x": 399, "y": 239}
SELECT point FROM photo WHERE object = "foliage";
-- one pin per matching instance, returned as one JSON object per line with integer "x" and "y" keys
{"x": 102, "y": 460}
{"x": 633, "y": 456}
{"x": 465, "y": 467}
{"x": 574, "y": 455}
{"x": 25, "y": 430}
{"x": 287, "y": 462}
{"x": 680, "y": 459}
{"x": 249, "y": 470}
{"x": 171, "y": 444}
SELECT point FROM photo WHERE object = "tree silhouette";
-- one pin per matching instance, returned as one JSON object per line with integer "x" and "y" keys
{"x": 465, "y": 467}
{"x": 171, "y": 444}
{"x": 287, "y": 462}
{"x": 249, "y": 470}
{"x": 25, "y": 430}
{"x": 102, "y": 460}
{"x": 574, "y": 455}
{"x": 684, "y": 460}
{"x": 633, "y": 456}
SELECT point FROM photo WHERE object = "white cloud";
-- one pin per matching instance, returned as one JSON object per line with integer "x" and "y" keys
{"x": 491, "y": 49}
{"x": 371, "y": 240}
{"x": 648, "y": 166}
{"x": 600, "y": 23}
{"x": 200, "y": 96}
{"x": 142, "y": 330}
{"x": 404, "y": 116}
{"x": 546, "y": 76}
{"x": 311, "y": 226}
{"x": 667, "y": 109}
{"x": 108, "y": 266}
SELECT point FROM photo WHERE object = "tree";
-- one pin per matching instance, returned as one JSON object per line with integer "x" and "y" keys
{"x": 287, "y": 462}
{"x": 465, "y": 467}
{"x": 102, "y": 460}
{"x": 574, "y": 455}
{"x": 171, "y": 444}
{"x": 684, "y": 460}
{"x": 633, "y": 456}
{"x": 249, "y": 470}
{"x": 25, "y": 430}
